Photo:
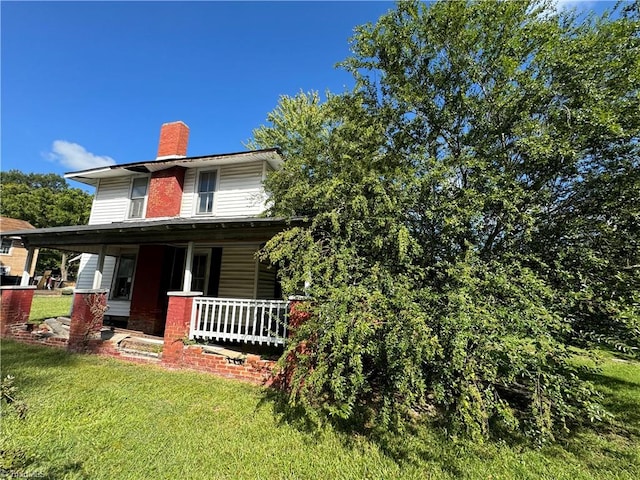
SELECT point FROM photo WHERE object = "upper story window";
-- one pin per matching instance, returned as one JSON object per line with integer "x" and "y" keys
{"x": 206, "y": 189}
{"x": 138, "y": 195}
{"x": 5, "y": 248}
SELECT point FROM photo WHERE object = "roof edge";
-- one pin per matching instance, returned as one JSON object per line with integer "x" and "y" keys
{"x": 167, "y": 161}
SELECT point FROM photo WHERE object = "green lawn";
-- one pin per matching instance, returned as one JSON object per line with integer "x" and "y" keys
{"x": 97, "y": 418}
{"x": 48, "y": 306}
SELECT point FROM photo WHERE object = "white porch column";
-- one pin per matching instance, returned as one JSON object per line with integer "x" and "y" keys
{"x": 186, "y": 286}
{"x": 97, "y": 276}
{"x": 28, "y": 263}
{"x": 256, "y": 275}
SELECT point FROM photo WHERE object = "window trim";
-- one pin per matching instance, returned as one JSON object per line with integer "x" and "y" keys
{"x": 196, "y": 196}
{"x": 144, "y": 199}
{"x": 114, "y": 280}
{"x": 206, "y": 252}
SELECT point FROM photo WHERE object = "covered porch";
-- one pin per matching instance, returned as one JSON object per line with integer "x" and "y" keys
{"x": 236, "y": 298}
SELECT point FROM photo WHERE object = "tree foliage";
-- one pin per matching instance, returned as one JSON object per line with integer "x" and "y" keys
{"x": 472, "y": 207}
{"x": 43, "y": 199}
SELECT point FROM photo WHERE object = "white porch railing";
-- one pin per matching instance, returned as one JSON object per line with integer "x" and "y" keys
{"x": 239, "y": 319}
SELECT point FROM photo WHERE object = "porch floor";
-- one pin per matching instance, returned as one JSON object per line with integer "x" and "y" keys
{"x": 137, "y": 343}
{"x": 110, "y": 332}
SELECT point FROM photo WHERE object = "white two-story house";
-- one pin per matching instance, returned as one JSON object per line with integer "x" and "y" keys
{"x": 176, "y": 223}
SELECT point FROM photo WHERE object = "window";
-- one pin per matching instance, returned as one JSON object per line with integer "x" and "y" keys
{"x": 206, "y": 188}
{"x": 138, "y": 194}
{"x": 205, "y": 271}
{"x": 124, "y": 277}
{"x": 200, "y": 272}
{"x": 5, "y": 248}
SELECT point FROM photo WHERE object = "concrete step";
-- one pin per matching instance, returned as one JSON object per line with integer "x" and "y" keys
{"x": 219, "y": 350}
{"x": 144, "y": 346}
{"x": 131, "y": 353}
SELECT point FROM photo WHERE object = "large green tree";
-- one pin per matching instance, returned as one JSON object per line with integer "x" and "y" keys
{"x": 44, "y": 200}
{"x": 472, "y": 204}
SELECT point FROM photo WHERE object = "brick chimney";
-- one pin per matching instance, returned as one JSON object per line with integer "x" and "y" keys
{"x": 174, "y": 137}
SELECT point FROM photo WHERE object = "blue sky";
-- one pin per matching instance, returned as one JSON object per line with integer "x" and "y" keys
{"x": 84, "y": 83}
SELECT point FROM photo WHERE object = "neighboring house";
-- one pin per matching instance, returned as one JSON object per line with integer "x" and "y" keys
{"x": 179, "y": 223}
{"x": 13, "y": 253}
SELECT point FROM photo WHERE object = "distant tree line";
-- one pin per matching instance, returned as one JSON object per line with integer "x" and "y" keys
{"x": 44, "y": 200}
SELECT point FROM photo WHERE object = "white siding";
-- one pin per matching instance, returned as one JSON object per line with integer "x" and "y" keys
{"x": 111, "y": 201}
{"x": 188, "y": 189}
{"x": 88, "y": 264}
{"x": 239, "y": 191}
{"x": 237, "y": 272}
{"x": 266, "y": 281}
{"x": 119, "y": 308}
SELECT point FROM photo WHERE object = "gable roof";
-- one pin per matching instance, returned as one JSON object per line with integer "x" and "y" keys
{"x": 8, "y": 224}
{"x": 92, "y": 175}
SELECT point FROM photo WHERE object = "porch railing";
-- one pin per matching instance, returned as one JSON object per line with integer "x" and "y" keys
{"x": 239, "y": 319}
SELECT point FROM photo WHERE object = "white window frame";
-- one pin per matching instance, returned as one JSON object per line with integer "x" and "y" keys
{"x": 8, "y": 252}
{"x": 144, "y": 199}
{"x": 196, "y": 196}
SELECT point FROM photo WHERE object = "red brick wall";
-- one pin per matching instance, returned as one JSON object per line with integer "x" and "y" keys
{"x": 174, "y": 138}
{"x": 253, "y": 369}
{"x": 24, "y": 333}
{"x": 87, "y": 318}
{"x": 165, "y": 193}
{"x": 176, "y": 328}
{"x": 147, "y": 313}
{"x": 84, "y": 337}
{"x": 15, "y": 306}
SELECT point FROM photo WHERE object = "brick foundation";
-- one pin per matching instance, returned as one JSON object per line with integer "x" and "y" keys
{"x": 15, "y": 307}
{"x": 175, "y": 353}
{"x": 25, "y": 333}
{"x": 252, "y": 369}
{"x": 87, "y": 318}
{"x": 86, "y": 323}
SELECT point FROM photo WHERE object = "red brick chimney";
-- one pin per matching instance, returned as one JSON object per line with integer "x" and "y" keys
{"x": 174, "y": 137}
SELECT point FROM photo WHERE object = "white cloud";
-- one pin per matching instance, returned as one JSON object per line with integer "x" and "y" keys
{"x": 76, "y": 157}
{"x": 580, "y": 4}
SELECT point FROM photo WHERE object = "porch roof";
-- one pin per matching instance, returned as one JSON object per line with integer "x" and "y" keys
{"x": 90, "y": 238}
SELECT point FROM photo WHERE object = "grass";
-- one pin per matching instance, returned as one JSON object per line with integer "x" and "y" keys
{"x": 97, "y": 418}
{"x": 49, "y": 306}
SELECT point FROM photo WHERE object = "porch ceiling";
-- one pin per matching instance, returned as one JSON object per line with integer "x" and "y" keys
{"x": 89, "y": 238}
